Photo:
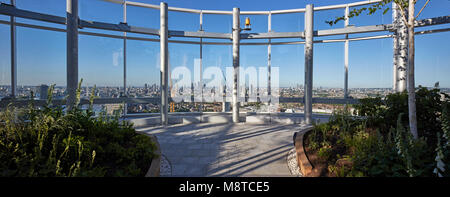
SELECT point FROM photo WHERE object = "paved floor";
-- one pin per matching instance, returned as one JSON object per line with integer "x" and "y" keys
{"x": 212, "y": 149}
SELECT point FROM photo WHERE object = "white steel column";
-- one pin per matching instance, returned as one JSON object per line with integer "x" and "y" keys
{"x": 269, "y": 61}
{"x": 309, "y": 37}
{"x": 346, "y": 54}
{"x": 72, "y": 51}
{"x": 125, "y": 92}
{"x": 236, "y": 37}
{"x": 164, "y": 59}
{"x": 201, "y": 63}
{"x": 13, "y": 55}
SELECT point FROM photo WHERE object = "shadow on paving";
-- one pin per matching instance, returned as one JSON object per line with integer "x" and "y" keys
{"x": 225, "y": 149}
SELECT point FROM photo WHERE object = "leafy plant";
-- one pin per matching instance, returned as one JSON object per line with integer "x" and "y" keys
{"x": 49, "y": 141}
{"x": 377, "y": 142}
{"x": 442, "y": 168}
{"x": 383, "y": 114}
{"x": 325, "y": 151}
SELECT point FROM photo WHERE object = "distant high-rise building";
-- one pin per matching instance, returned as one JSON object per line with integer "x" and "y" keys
{"x": 44, "y": 92}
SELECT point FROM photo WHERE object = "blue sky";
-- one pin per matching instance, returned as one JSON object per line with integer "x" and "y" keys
{"x": 42, "y": 57}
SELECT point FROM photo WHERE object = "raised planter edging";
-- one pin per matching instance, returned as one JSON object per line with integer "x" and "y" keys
{"x": 304, "y": 164}
{"x": 154, "y": 169}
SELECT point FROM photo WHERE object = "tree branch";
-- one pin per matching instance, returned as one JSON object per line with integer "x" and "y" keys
{"x": 422, "y": 9}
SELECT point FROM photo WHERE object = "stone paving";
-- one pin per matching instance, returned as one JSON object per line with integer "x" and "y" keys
{"x": 213, "y": 149}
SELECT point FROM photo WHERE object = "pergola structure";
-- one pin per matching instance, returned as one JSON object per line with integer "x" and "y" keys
{"x": 73, "y": 24}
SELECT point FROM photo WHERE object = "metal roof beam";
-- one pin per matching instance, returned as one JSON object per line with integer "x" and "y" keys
{"x": 10, "y": 10}
{"x": 272, "y": 35}
{"x": 122, "y": 27}
{"x": 199, "y": 34}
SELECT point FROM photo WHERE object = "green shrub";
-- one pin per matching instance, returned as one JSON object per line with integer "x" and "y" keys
{"x": 442, "y": 168}
{"x": 373, "y": 153}
{"x": 382, "y": 114}
{"x": 373, "y": 109}
{"x": 313, "y": 143}
{"x": 378, "y": 142}
{"x": 395, "y": 154}
{"x": 50, "y": 142}
{"x": 325, "y": 151}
